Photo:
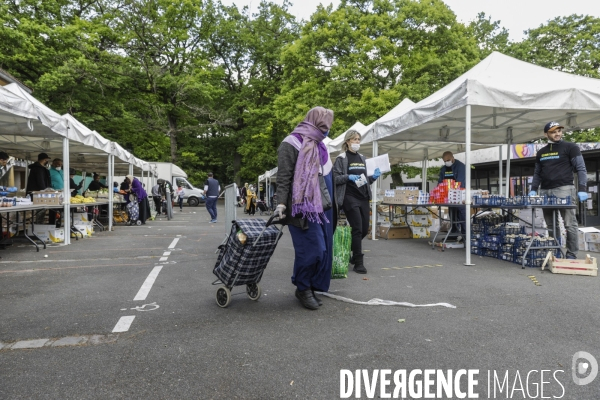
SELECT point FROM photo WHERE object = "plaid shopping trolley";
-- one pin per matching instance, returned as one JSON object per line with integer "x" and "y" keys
{"x": 244, "y": 256}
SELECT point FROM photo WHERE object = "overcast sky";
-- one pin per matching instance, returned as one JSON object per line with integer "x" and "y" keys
{"x": 515, "y": 15}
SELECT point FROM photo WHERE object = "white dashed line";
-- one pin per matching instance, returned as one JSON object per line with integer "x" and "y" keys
{"x": 166, "y": 253}
{"x": 173, "y": 243}
{"x": 147, "y": 285}
{"x": 163, "y": 259}
{"x": 124, "y": 324}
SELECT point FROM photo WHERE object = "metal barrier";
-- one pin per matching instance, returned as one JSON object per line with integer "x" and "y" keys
{"x": 231, "y": 193}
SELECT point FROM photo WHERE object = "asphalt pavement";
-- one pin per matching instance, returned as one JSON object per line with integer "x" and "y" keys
{"x": 71, "y": 327}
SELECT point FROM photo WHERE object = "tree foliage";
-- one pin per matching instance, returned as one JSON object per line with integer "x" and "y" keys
{"x": 215, "y": 88}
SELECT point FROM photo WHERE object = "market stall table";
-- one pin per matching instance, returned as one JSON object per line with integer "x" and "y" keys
{"x": 23, "y": 209}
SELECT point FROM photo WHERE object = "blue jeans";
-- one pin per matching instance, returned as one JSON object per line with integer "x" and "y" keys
{"x": 180, "y": 202}
{"x": 211, "y": 206}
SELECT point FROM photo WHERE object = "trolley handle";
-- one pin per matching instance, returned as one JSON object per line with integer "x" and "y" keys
{"x": 272, "y": 222}
{"x": 269, "y": 223}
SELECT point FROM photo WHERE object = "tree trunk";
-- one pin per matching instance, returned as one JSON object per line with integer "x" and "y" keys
{"x": 237, "y": 162}
{"x": 173, "y": 138}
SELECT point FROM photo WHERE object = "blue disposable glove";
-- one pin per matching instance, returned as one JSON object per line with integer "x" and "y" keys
{"x": 533, "y": 193}
{"x": 582, "y": 196}
{"x": 353, "y": 178}
{"x": 376, "y": 173}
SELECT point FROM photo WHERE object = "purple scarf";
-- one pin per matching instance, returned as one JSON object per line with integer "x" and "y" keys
{"x": 306, "y": 190}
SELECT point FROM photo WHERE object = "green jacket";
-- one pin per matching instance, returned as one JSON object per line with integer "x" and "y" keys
{"x": 56, "y": 177}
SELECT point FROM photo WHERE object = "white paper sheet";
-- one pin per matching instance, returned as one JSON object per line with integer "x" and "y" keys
{"x": 382, "y": 162}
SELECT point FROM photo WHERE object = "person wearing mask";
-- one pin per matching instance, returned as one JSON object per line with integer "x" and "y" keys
{"x": 212, "y": 190}
{"x": 554, "y": 167}
{"x": 136, "y": 188}
{"x": 179, "y": 193}
{"x": 455, "y": 169}
{"x": 3, "y": 159}
{"x": 157, "y": 198}
{"x": 250, "y": 200}
{"x": 56, "y": 174}
{"x": 95, "y": 184}
{"x": 57, "y": 182}
{"x": 304, "y": 191}
{"x": 353, "y": 193}
{"x": 39, "y": 179}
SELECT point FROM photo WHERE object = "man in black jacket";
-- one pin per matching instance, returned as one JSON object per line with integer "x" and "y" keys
{"x": 554, "y": 167}
{"x": 39, "y": 179}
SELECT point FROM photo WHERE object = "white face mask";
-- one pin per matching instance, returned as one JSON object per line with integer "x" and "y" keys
{"x": 355, "y": 146}
{"x": 58, "y": 168}
{"x": 448, "y": 163}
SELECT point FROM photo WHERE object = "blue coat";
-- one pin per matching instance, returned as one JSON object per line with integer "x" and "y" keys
{"x": 456, "y": 172}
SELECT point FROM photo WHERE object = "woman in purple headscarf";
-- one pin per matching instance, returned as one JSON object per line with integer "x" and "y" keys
{"x": 136, "y": 187}
{"x": 305, "y": 190}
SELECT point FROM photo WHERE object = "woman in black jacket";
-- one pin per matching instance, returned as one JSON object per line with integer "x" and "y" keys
{"x": 353, "y": 192}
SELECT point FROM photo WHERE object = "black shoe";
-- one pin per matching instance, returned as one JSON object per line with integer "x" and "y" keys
{"x": 307, "y": 299}
{"x": 359, "y": 266}
{"x": 352, "y": 260}
{"x": 319, "y": 301}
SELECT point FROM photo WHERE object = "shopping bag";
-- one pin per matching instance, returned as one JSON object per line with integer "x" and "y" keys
{"x": 342, "y": 241}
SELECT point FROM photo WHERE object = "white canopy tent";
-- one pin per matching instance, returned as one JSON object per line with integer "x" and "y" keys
{"x": 500, "y": 100}
{"x": 28, "y": 127}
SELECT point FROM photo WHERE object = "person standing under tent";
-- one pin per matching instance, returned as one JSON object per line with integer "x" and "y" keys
{"x": 57, "y": 174}
{"x": 95, "y": 184}
{"x": 211, "y": 191}
{"x": 305, "y": 190}
{"x": 39, "y": 179}
{"x": 179, "y": 193}
{"x": 3, "y": 158}
{"x": 554, "y": 167}
{"x": 352, "y": 194}
{"x": 454, "y": 169}
{"x": 74, "y": 187}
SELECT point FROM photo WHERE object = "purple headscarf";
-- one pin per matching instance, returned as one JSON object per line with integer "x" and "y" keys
{"x": 312, "y": 154}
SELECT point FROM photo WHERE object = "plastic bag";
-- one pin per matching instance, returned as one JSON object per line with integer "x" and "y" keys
{"x": 342, "y": 241}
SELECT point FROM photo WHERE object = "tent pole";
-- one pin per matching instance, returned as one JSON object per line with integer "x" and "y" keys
{"x": 500, "y": 170}
{"x": 66, "y": 191}
{"x": 468, "y": 185}
{"x": 111, "y": 191}
{"x": 508, "y": 150}
{"x": 130, "y": 169}
{"x": 424, "y": 172}
{"x": 374, "y": 198}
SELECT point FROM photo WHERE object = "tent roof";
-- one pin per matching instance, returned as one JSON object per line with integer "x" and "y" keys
{"x": 510, "y": 100}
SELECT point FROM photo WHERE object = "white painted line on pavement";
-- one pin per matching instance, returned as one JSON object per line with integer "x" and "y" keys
{"x": 163, "y": 259}
{"x": 173, "y": 243}
{"x": 124, "y": 324}
{"x": 147, "y": 285}
{"x": 166, "y": 253}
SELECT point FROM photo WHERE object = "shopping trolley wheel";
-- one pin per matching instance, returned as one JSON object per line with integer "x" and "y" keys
{"x": 138, "y": 222}
{"x": 253, "y": 291}
{"x": 223, "y": 297}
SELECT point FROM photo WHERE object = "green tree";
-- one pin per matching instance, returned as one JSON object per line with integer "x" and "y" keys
{"x": 568, "y": 44}
{"x": 366, "y": 56}
{"x": 490, "y": 36}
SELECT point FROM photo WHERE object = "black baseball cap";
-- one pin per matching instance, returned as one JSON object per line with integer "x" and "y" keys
{"x": 43, "y": 156}
{"x": 3, "y": 155}
{"x": 552, "y": 126}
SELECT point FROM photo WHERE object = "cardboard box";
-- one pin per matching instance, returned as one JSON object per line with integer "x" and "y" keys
{"x": 86, "y": 229}
{"x": 41, "y": 231}
{"x": 591, "y": 246}
{"x": 57, "y": 235}
{"x": 587, "y": 266}
{"x": 419, "y": 220}
{"x": 47, "y": 197}
{"x": 387, "y": 232}
{"x": 419, "y": 232}
{"x": 80, "y": 217}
